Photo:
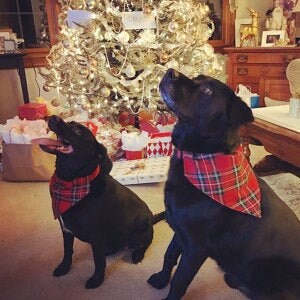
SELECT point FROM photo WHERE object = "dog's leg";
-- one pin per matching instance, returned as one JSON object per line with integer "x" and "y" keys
{"x": 100, "y": 264}
{"x": 161, "y": 279}
{"x": 65, "y": 265}
{"x": 190, "y": 262}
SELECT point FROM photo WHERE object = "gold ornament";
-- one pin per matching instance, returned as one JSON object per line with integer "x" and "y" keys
{"x": 147, "y": 9}
{"x": 114, "y": 71}
{"x": 84, "y": 72}
{"x": 105, "y": 91}
{"x": 90, "y": 4}
{"x": 173, "y": 26}
{"x": 46, "y": 88}
{"x": 130, "y": 71}
{"x": 55, "y": 102}
{"x": 164, "y": 57}
{"x": 93, "y": 62}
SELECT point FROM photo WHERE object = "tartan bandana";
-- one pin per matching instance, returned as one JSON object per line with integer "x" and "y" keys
{"x": 226, "y": 178}
{"x": 66, "y": 194}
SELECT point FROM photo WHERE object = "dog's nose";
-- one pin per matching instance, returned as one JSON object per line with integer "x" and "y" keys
{"x": 172, "y": 73}
{"x": 53, "y": 120}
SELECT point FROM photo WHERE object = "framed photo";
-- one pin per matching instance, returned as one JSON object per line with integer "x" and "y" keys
{"x": 2, "y": 39}
{"x": 239, "y": 23}
{"x": 270, "y": 37}
{"x": 5, "y": 32}
{"x": 9, "y": 46}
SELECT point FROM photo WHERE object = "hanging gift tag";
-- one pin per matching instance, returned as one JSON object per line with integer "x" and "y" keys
{"x": 138, "y": 20}
{"x": 76, "y": 18}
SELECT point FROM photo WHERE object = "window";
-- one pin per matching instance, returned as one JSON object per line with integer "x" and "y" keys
{"x": 28, "y": 20}
{"x": 36, "y": 22}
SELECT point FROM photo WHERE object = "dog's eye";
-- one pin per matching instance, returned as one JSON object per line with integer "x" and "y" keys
{"x": 207, "y": 91}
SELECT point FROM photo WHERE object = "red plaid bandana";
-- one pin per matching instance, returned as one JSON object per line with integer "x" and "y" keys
{"x": 65, "y": 194}
{"x": 226, "y": 178}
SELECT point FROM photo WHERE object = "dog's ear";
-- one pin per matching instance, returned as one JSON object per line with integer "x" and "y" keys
{"x": 240, "y": 113}
{"x": 104, "y": 160}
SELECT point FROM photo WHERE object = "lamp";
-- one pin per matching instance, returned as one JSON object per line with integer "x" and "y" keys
{"x": 293, "y": 76}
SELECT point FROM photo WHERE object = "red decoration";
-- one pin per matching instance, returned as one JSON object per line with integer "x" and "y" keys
{"x": 32, "y": 111}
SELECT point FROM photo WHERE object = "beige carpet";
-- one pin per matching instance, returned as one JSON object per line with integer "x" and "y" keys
{"x": 31, "y": 247}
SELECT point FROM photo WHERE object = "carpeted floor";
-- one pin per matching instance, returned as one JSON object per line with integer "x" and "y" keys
{"x": 31, "y": 247}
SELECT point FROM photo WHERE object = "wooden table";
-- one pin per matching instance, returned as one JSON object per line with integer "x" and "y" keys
{"x": 15, "y": 61}
{"x": 279, "y": 141}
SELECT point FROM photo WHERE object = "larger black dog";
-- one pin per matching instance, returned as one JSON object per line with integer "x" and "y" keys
{"x": 90, "y": 204}
{"x": 257, "y": 246}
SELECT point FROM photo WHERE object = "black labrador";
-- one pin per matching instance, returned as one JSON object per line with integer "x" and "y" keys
{"x": 90, "y": 204}
{"x": 254, "y": 237}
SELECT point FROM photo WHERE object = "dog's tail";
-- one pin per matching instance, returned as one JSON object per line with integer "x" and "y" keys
{"x": 158, "y": 217}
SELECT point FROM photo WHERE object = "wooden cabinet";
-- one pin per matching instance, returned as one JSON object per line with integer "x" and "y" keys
{"x": 262, "y": 69}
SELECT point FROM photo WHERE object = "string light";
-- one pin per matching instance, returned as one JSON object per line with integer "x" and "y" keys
{"x": 100, "y": 61}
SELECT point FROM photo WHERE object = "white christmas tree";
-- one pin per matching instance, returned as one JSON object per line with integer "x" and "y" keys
{"x": 111, "y": 55}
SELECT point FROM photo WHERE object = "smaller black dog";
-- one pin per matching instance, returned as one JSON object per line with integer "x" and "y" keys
{"x": 90, "y": 204}
{"x": 216, "y": 205}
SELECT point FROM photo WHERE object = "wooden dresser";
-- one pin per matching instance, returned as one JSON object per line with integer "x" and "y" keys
{"x": 262, "y": 69}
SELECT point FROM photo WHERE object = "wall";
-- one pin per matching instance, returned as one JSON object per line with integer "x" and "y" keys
{"x": 11, "y": 92}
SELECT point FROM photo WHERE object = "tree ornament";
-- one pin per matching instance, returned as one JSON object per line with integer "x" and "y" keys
{"x": 55, "y": 102}
{"x": 130, "y": 71}
{"x": 46, "y": 88}
{"x": 123, "y": 37}
{"x": 84, "y": 72}
{"x": 105, "y": 91}
{"x": 164, "y": 57}
{"x": 173, "y": 26}
{"x": 147, "y": 9}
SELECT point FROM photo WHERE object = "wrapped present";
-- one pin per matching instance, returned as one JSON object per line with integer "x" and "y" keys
{"x": 134, "y": 144}
{"x": 141, "y": 171}
{"x": 32, "y": 111}
{"x": 159, "y": 145}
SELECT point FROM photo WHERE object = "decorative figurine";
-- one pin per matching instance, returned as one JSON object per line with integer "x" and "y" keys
{"x": 249, "y": 33}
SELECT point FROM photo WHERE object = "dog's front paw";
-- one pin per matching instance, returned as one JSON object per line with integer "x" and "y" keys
{"x": 138, "y": 255}
{"x": 95, "y": 281}
{"x": 158, "y": 280}
{"x": 62, "y": 269}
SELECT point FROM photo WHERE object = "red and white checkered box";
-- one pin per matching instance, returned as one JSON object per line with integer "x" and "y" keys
{"x": 160, "y": 145}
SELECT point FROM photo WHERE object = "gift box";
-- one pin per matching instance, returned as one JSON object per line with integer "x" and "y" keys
{"x": 32, "y": 111}
{"x": 159, "y": 145}
{"x": 141, "y": 171}
{"x": 132, "y": 155}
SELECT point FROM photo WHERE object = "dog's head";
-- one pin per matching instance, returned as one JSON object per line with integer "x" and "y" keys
{"x": 209, "y": 113}
{"x": 77, "y": 151}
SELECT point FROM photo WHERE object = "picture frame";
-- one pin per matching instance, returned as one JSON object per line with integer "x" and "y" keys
{"x": 5, "y": 32}
{"x": 2, "y": 39}
{"x": 9, "y": 46}
{"x": 270, "y": 37}
{"x": 238, "y": 24}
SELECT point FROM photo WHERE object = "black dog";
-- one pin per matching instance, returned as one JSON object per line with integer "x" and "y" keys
{"x": 256, "y": 239}
{"x": 90, "y": 204}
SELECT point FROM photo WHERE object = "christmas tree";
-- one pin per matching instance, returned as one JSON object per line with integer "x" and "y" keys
{"x": 112, "y": 54}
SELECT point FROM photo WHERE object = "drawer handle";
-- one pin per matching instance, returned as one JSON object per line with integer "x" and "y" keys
{"x": 242, "y": 71}
{"x": 242, "y": 58}
{"x": 289, "y": 58}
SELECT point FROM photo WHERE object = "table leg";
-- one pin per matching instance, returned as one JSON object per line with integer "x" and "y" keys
{"x": 21, "y": 71}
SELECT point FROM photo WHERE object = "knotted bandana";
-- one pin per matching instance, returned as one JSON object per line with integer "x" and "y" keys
{"x": 66, "y": 194}
{"x": 226, "y": 178}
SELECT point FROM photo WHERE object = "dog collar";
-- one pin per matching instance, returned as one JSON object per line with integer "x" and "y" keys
{"x": 226, "y": 178}
{"x": 66, "y": 194}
